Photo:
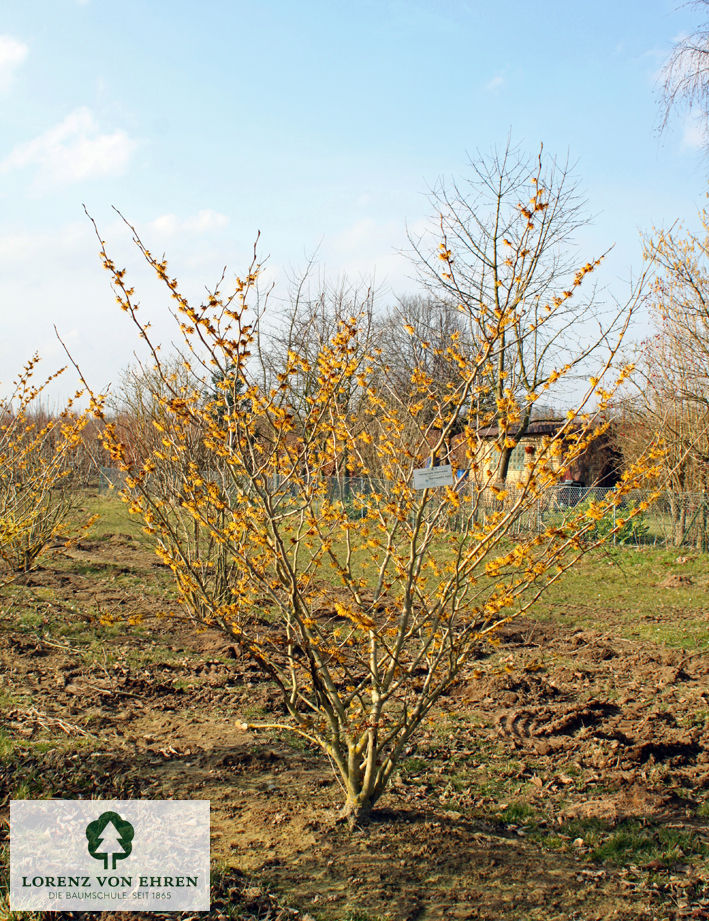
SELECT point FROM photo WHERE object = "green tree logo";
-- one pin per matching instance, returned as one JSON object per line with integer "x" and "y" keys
{"x": 110, "y": 838}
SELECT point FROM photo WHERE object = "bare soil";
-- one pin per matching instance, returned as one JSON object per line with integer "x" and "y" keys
{"x": 566, "y": 777}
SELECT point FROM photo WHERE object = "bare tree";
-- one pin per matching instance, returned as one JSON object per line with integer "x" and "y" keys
{"x": 685, "y": 76}
{"x": 679, "y": 353}
{"x": 506, "y": 261}
{"x": 671, "y": 395}
{"x": 308, "y": 319}
{"x": 417, "y": 334}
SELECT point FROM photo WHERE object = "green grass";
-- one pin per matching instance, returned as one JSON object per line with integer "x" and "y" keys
{"x": 7, "y": 915}
{"x": 30, "y": 788}
{"x": 10, "y": 697}
{"x": 32, "y": 784}
{"x": 113, "y": 518}
{"x": 413, "y": 765}
{"x": 357, "y": 914}
{"x": 635, "y": 842}
{"x": 621, "y": 592}
{"x": 7, "y": 744}
{"x": 631, "y": 842}
{"x": 517, "y": 813}
{"x": 617, "y": 586}
{"x": 29, "y": 620}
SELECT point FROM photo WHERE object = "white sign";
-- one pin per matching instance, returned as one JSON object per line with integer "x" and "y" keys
{"x": 109, "y": 855}
{"x": 430, "y": 477}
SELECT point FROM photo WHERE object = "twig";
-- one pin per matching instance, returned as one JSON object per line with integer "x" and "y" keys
{"x": 47, "y": 642}
{"x": 46, "y": 722}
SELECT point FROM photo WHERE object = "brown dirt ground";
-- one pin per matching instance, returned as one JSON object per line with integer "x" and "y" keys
{"x": 513, "y": 804}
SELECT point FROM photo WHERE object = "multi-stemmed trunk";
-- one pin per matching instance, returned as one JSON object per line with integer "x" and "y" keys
{"x": 363, "y": 789}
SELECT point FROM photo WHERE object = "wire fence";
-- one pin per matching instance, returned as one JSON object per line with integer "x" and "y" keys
{"x": 672, "y": 520}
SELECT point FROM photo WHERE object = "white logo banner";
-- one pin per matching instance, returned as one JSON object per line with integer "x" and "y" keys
{"x": 109, "y": 855}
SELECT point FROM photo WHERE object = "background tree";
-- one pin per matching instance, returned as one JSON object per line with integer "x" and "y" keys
{"x": 415, "y": 336}
{"x": 142, "y": 426}
{"x": 685, "y": 76}
{"x": 506, "y": 262}
{"x": 308, "y": 319}
{"x": 311, "y": 317}
{"x": 670, "y": 400}
{"x": 362, "y": 621}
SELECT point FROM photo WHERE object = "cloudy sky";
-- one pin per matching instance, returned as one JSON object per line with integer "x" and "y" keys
{"x": 322, "y": 124}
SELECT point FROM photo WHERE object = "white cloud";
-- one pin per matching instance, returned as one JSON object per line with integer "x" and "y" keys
{"x": 369, "y": 251}
{"x": 364, "y": 231}
{"x": 12, "y": 54}
{"x": 72, "y": 151}
{"x": 695, "y": 134}
{"x": 202, "y": 222}
{"x": 20, "y": 248}
{"x": 72, "y": 290}
{"x": 495, "y": 84}
{"x": 16, "y": 247}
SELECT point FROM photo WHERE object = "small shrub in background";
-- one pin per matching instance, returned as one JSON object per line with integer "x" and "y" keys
{"x": 38, "y": 452}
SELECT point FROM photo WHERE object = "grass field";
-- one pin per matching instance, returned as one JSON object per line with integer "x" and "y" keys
{"x": 565, "y": 777}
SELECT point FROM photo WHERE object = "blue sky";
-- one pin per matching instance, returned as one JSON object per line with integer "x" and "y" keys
{"x": 321, "y": 124}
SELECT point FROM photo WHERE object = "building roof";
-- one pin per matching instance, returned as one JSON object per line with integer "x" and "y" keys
{"x": 537, "y": 428}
